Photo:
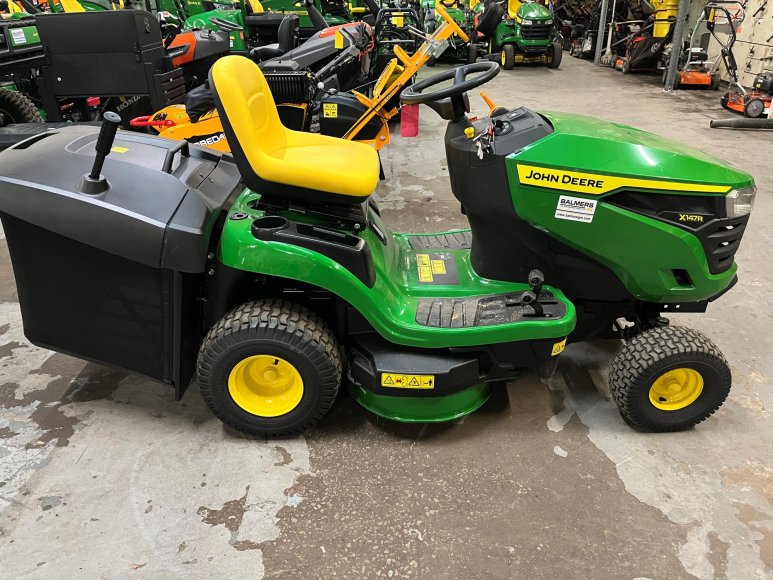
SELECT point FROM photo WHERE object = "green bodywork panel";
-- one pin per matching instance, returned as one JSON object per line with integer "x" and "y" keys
{"x": 642, "y": 251}
{"x": 390, "y": 305}
{"x": 509, "y": 31}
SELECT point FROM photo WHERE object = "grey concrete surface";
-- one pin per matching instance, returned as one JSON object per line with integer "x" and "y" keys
{"x": 103, "y": 475}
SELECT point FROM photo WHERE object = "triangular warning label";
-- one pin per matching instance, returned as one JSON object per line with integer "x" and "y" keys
{"x": 388, "y": 380}
{"x": 413, "y": 383}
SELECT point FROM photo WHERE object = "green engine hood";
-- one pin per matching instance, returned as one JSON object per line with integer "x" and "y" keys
{"x": 590, "y": 145}
{"x": 533, "y": 11}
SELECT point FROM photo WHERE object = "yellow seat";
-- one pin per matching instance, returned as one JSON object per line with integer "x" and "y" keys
{"x": 512, "y": 8}
{"x": 277, "y": 161}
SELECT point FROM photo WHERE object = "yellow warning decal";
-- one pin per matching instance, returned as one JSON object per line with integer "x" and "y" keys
{"x": 438, "y": 267}
{"x": 407, "y": 381}
{"x": 330, "y": 110}
{"x": 425, "y": 274}
{"x": 338, "y": 40}
{"x": 117, "y": 149}
{"x": 596, "y": 184}
{"x": 422, "y": 259}
{"x": 558, "y": 348}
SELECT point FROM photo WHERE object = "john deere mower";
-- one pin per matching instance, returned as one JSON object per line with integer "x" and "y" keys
{"x": 521, "y": 32}
{"x": 270, "y": 276}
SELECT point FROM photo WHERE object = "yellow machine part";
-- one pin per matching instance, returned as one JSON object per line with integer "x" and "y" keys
{"x": 512, "y": 8}
{"x": 664, "y": 10}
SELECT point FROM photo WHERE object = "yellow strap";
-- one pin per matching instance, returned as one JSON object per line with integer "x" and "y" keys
{"x": 72, "y": 6}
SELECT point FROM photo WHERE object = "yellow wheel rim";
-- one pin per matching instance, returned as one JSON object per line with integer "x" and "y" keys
{"x": 504, "y": 57}
{"x": 265, "y": 385}
{"x": 676, "y": 389}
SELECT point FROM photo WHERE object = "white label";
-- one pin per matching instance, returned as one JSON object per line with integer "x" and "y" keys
{"x": 576, "y": 209}
{"x": 17, "y": 34}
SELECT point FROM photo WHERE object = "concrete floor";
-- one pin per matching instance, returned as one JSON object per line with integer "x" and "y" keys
{"x": 104, "y": 475}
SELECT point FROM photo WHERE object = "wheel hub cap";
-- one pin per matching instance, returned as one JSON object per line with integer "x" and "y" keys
{"x": 265, "y": 385}
{"x": 676, "y": 389}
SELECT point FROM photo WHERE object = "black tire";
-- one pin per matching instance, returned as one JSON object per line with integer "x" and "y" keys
{"x": 490, "y": 19}
{"x": 277, "y": 328}
{"x": 431, "y": 61}
{"x": 724, "y": 101}
{"x": 716, "y": 79}
{"x": 625, "y": 66}
{"x": 507, "y": 59}
{"x": 555, "y": 55}
{"x": 472, "y": 53}
{"x": 651, "y": 354}
{"x": 16, "y": 107}
{"x": 754, "y": 108}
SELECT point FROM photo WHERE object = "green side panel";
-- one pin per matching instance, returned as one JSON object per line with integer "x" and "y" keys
{"x": 603, "y": 147}
{"x": 422, "y": 409}
{"x": 640, "y": 250}
{"x": 204, "y": 20}
{"x": 390, "y": 306}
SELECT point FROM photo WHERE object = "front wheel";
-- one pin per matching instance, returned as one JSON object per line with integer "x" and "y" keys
{"x": 15, "y": 107}
{"x": 625, "y": 66}
{"x": 507, "y": 60}
{"x": 270, "y": 368}
{"x": 669, "y": 379}
{"x": 555, "y": 52}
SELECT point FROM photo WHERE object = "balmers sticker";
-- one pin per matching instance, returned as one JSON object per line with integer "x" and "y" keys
{"x": 576, "y": 209}
{"x": 595, "y": 184}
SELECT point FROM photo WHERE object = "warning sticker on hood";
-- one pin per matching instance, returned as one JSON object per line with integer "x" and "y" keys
{"x": 575, "y": 209}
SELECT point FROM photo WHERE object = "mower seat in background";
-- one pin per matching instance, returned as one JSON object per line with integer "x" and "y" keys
{"x": 279, "y": 162}
{"x": 287, "y": 36}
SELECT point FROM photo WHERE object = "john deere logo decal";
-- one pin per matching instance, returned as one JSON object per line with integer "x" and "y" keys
{"x": 595, "y": 184}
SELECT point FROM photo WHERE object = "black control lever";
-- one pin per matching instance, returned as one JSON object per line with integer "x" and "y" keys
{"x": 95, "y": 183}
{"x": 531, "y": 297}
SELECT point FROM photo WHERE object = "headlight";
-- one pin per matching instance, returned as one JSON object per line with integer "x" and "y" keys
{"x": 528, "y": 22}
{"x": 740, "y": 202}
{"x": 549, "y": 21}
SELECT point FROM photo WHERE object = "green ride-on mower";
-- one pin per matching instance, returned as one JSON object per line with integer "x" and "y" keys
{"x": 271, "y": 277}
{"x": 520, "y": 33}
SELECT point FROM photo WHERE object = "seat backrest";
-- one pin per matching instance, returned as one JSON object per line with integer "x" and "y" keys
{"x": 287, "y": 34}
{"x": 512, "y": 8}
{"x": 248, "y": 112}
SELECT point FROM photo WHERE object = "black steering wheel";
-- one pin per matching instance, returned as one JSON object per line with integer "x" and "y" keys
{"x": 414, "y": 95}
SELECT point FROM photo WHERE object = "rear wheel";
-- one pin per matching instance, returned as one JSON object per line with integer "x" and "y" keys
{"x": 669, "y": 379}
{"x": 716, "y": 78}
{"x": 555, "y": 52}
{"x": 724, "y": 101}
{"x": 507, "y": 59}
{"x": 270, "y": 368}
{"x": 754, "y": 108}
{"x": 15, "y": 107}
{"x": 472, "y": 53}
{"x": 625, "y": 66}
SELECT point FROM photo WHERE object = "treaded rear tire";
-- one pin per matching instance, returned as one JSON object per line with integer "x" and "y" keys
{"x": 282, "y": 329}
{"x": 654, "y": 352}
{"x": 18, "y": 108}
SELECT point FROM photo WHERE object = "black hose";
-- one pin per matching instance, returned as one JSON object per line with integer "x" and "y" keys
{"x": 741, "y": 124}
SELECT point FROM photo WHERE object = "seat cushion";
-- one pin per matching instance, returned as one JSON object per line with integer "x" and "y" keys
{"x": 314, "y": 161}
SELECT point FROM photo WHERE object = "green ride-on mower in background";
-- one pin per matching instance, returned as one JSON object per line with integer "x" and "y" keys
{"x": 271, "y": 277}
{"x": 520, "y": 33}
